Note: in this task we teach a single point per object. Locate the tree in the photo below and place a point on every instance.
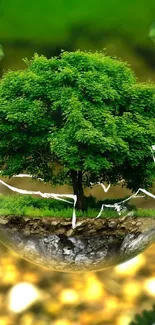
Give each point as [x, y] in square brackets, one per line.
[77, 118]
[147, 317]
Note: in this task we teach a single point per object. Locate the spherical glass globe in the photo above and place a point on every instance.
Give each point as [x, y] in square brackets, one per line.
[116, 234]
[82, 119]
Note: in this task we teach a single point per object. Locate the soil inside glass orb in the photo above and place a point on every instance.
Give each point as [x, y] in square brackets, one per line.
[93, 245]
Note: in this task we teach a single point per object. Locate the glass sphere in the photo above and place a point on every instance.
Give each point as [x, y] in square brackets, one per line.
[80, 244]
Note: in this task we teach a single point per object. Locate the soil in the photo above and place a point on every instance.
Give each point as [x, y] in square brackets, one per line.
[60, 226]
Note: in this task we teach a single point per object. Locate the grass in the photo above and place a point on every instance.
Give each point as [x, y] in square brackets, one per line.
[37, 207]
[145, 213]
[64, 213]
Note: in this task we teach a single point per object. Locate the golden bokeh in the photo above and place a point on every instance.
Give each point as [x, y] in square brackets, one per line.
[43, 297]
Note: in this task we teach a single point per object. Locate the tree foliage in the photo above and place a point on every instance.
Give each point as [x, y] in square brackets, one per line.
[77, 118]
[146, 318]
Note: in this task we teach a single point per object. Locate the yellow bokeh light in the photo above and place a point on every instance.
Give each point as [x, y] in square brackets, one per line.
[27, 319]
[52, 307]
[69, 296]
[132, 266]
[149, 286]
[30, 277]
[111, 303]
[10, 277]
[94, 289]
[62, 322]
[132, 289]
[9, 274]
[4, 320]
[123, 320]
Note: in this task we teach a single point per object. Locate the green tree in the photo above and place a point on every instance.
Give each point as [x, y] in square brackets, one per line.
[77, 118]
[146, 318]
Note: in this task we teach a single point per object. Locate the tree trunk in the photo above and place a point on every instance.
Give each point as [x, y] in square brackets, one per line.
[76, 177]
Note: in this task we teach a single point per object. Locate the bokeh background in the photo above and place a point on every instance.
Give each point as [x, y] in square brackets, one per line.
[30, 294]
[46, 27]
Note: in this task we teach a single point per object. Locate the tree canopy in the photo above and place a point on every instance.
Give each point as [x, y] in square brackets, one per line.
[78, 118]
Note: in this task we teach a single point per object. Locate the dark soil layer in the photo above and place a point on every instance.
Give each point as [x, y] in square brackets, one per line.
[88, 226]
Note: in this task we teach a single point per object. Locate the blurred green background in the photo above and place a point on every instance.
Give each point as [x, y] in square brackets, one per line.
[46, 27]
